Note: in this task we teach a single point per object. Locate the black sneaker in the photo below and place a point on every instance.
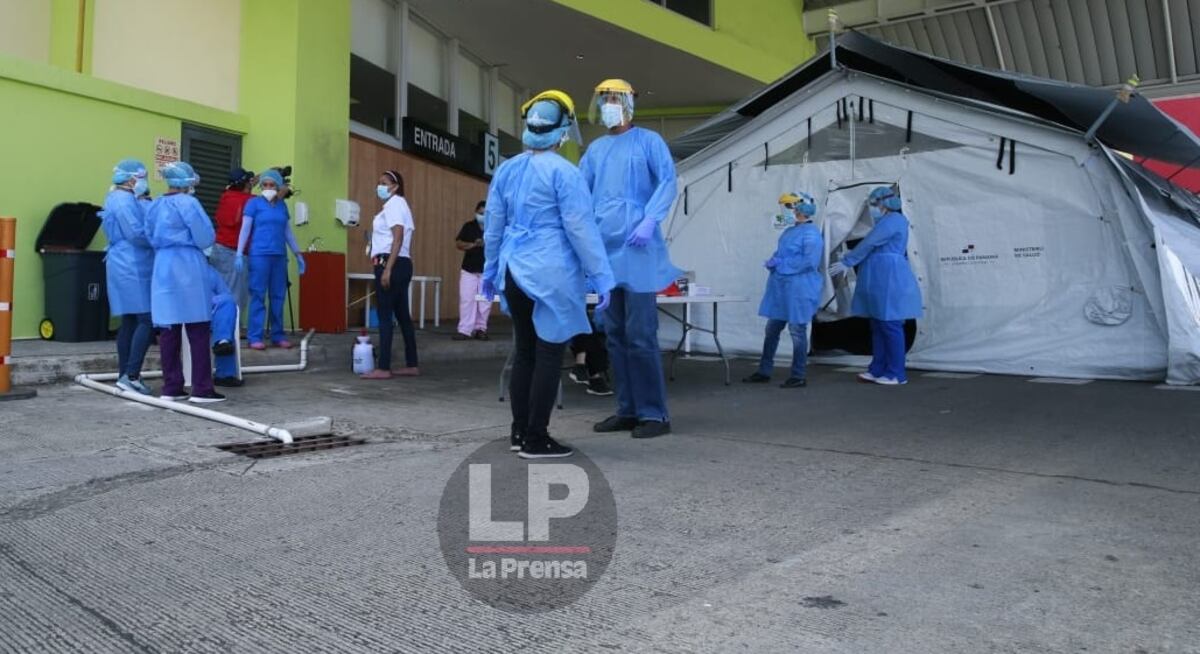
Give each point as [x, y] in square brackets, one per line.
[651, 429]
[459, 336]
[794, 382]
[208, 398]
[579, 374]
[480, 335]
[514, 442]
[756, 378]
[223, 348]
[544, 448]
[598, 385]
[615, 423]
[229, 382]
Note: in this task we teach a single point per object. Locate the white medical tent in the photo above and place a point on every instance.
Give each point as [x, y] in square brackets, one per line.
[1037, 250]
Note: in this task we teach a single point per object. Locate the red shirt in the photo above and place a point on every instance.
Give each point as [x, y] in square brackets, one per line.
[229, 217]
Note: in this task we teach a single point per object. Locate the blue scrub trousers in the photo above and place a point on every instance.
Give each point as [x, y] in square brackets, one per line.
[887, 349]
[631, 324]
[224, 328]
[799, 332]
[268, 280]
[133, 339]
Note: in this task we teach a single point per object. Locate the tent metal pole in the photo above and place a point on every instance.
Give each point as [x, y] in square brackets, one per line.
[991, 21]
[833, 39]
[1170, 42]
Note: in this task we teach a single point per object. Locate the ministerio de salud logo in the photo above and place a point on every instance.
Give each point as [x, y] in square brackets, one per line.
[526, 536]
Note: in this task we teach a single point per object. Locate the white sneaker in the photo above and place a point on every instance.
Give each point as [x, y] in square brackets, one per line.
[889, 381]
[124, 384]
[867, 377]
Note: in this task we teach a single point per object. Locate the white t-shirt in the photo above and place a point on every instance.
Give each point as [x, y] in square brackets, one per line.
[395, 212]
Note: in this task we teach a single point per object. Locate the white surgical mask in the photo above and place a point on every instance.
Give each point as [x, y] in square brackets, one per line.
[269, 194]
[876, 212]
[612, 115]
[479, 217]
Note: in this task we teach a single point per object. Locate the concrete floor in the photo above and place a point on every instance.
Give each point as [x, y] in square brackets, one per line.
[987, 514]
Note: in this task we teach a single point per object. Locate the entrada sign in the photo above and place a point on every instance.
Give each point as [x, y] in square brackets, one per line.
[449, 150]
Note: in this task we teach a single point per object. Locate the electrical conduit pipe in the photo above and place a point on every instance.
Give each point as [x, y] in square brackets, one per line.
[93, 382]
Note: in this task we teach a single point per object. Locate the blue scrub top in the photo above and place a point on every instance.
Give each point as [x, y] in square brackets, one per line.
[539, 227]
[887, 288]
[631, 175]
[129, 263]
[268, 235]
[794, 285]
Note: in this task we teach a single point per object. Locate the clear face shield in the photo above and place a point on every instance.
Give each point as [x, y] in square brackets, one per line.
[620, 105]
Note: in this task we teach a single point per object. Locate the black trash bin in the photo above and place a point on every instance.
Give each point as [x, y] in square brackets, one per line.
[76, 299]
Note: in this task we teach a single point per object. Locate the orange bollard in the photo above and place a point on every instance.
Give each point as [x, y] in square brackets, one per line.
[8, 246]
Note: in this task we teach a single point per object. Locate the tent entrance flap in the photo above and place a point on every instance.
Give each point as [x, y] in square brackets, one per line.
[845, 220]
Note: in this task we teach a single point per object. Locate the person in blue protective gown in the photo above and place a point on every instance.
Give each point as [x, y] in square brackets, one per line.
[180, 297]
[793, 289]
[887, 291]
[129, 266]
[224, 330]
[266, 235]
[632, 179]
[542, 249]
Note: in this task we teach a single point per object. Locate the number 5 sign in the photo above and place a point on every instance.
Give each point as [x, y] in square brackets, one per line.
[491, 154]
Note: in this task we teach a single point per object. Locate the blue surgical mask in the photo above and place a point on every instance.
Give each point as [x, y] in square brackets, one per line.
[876, 212]
[141, 187]
[383, 191]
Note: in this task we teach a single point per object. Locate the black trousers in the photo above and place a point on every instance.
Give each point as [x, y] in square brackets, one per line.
[394, 302]
[537, 367]
[594, 347]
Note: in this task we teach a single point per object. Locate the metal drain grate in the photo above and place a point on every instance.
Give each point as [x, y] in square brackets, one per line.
[302, 444]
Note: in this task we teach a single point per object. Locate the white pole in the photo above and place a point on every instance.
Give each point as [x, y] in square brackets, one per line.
[93, 382]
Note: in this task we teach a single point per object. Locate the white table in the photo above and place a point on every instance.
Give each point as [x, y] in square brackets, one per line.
[422, 279]
[685, 301]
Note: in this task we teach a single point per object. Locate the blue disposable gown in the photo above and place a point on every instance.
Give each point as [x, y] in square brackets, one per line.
[539, 227]
[179, 229]
[794, 285]
[631, 175]
[129, 263]
[887, 288]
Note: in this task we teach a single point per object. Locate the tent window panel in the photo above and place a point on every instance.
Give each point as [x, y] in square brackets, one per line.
[811, 139]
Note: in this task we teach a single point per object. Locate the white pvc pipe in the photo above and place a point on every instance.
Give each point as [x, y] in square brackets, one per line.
[278, 433]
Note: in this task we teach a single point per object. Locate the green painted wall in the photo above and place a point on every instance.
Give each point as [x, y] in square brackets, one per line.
[295, 90]
[762, 39]
[63, 132]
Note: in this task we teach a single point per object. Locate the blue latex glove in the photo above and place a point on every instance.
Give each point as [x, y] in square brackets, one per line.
[641, 235]
[300, 264]
[836, 268]
[770, 264]
[239, 263]
[604, 299]
[487, 289]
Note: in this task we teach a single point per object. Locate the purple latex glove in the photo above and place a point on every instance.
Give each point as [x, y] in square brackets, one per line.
[487, 289]
[770, 264]
[641, 235]
[603, 301]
